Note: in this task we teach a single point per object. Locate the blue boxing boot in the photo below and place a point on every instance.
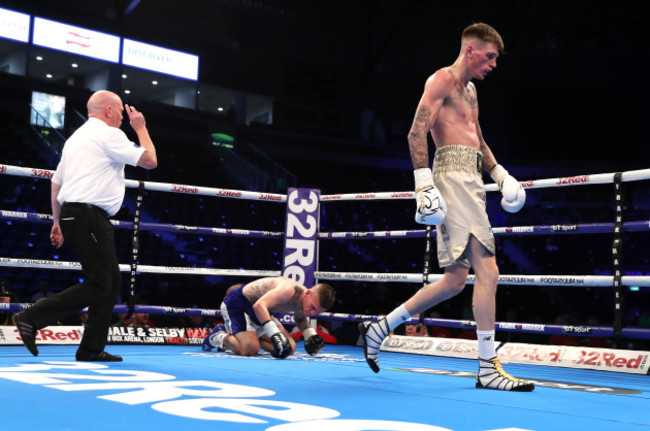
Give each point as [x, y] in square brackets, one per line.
[215, 339]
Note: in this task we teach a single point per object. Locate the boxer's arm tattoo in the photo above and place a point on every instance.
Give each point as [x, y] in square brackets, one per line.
[417, 138]
[301, 321]
[488, 158]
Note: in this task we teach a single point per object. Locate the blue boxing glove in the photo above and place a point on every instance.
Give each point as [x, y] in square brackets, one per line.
[313, 342]
[281, 345]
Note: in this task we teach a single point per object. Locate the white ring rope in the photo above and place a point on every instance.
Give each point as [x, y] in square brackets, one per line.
[393, 277]
[59, 264]
[158, 187]
[578, 180]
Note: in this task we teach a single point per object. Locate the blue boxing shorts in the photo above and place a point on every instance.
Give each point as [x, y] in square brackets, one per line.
[237, 313]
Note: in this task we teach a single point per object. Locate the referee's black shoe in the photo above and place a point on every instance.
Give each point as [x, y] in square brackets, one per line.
[96, 357]
[27, 332]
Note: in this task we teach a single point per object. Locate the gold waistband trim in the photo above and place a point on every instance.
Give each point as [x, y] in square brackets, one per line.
[454, 158]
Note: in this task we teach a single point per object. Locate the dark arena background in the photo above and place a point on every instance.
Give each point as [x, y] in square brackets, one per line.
[248, 101]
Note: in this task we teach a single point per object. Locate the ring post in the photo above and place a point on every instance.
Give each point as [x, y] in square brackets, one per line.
[617, 248]
[425, 271]
[301, 237]
[135, 247]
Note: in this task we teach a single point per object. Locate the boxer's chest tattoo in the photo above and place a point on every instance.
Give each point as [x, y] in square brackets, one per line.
[465, 95]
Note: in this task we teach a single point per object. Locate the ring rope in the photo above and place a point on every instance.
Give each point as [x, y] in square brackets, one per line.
[528, 328]
[158, 187]
[149, 269]
[161, 227]
[511, 280]
[557, 229]
[16, 307]
[578, 180]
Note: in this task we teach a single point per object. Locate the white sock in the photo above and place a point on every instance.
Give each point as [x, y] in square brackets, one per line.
[397, 317]
[486, 344]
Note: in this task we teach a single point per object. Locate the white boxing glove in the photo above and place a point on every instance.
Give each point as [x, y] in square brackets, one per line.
[514, 195]
[431, 207]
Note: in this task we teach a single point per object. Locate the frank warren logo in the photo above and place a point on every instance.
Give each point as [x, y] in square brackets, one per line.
[531, 327]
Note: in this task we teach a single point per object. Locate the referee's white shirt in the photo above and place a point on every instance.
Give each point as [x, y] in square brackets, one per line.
[91, 169]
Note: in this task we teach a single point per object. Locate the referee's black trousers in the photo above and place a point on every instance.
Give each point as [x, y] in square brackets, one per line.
[90, 235]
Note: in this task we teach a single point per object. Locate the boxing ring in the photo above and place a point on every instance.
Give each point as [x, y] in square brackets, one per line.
[165, 386]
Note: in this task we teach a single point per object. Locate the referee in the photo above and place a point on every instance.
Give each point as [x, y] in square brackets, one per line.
[88, 188]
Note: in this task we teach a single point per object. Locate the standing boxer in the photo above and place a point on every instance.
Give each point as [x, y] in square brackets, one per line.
[87, 188]
[448, 110]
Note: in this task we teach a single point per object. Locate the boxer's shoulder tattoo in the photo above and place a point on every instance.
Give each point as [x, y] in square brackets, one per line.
[257, 289]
